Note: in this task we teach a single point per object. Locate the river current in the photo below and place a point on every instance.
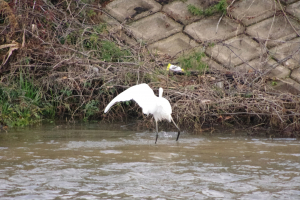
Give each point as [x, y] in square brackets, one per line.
[95, 162]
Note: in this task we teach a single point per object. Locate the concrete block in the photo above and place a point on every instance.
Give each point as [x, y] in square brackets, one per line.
[274, 31]
[287, 85]
[289, 48]
[294, 9]
[173, 45]
[263, 65]
[121, 35]
[280, 72]
[253, 11]
[212, 64]
[233, 50]
[178, 10]
[154, 27]
[115, 29]
[132, 9]
[296, 74]
[205, 29]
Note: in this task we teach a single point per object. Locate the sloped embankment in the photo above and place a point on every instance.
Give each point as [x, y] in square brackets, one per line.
[62, 60]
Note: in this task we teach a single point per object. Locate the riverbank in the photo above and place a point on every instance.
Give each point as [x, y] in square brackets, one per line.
[62, 61]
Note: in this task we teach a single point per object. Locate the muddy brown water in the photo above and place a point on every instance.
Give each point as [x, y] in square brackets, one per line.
[95, 162]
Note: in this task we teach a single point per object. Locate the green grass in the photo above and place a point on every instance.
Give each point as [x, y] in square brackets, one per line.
[90, 109]
[21, 103]
[106, 50]
[220, 7]
[111, 52]
[101, 49]
[274, 83]
[193, 62]
[16, 109]
[100, 28]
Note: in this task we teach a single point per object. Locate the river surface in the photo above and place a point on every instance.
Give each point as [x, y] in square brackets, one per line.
[95, 162]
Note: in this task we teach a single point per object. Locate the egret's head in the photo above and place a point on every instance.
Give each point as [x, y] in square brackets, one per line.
[160, 92]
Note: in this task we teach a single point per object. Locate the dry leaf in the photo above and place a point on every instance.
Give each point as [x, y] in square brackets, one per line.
[227, 117]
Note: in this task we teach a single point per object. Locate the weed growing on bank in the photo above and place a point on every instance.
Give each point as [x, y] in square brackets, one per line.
[21, 102]
[219, 7]
[193, 61]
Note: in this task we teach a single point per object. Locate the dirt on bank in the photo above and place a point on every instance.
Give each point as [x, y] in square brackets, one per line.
[59, 60]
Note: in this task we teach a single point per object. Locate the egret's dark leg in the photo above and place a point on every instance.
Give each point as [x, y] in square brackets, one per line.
[156, 132]
[178, 130]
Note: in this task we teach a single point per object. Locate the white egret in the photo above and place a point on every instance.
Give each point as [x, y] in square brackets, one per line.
[144, 96]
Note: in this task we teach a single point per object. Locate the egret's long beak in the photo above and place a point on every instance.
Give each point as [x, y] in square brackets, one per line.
[177, 128]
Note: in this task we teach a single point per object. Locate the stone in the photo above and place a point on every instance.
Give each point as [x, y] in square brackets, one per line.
[287, 85]
[296, 74]
[253, 11]
[132, 9]
[114, 28]
[241, 47]
[173, 45]
[178, 10]
[286, 49]
[280, 72]
[274, 30]
[212, 65]
[154, 27]
[263, 65]
[205, 29]
[294, 9]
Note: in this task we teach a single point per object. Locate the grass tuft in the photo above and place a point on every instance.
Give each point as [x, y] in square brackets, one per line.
[193, 62]
[220, 7]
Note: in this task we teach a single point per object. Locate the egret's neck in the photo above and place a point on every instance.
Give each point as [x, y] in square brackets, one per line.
[160, 92]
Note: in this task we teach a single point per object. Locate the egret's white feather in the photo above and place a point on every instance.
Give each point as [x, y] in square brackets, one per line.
[142, 94]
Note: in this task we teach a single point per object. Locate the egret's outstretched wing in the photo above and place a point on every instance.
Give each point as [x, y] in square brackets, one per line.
[142, 94]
